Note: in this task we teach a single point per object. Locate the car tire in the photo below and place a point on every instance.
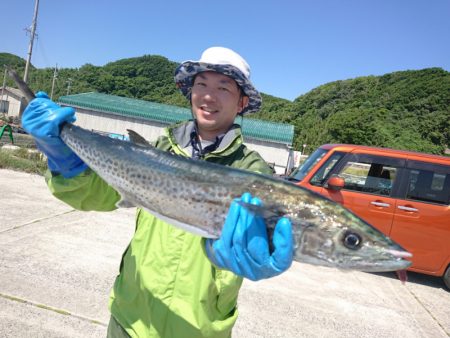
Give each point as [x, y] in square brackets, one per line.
[446, 277]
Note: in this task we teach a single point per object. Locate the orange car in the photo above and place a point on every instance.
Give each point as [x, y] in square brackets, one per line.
[404, 194]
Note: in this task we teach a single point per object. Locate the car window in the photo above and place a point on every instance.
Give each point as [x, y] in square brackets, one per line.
[305, 168]
[322, 174]
[428, 186]
[374, 176]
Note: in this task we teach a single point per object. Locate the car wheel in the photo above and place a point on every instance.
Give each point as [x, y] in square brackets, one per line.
[446, 277]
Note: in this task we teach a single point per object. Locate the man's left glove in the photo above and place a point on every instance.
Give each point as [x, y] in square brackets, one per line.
[43, 119]
[243, 246]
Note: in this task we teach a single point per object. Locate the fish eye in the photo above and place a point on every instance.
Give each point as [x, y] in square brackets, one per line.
[351, 240]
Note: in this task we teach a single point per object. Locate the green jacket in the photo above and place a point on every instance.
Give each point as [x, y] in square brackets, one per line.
[167, 287]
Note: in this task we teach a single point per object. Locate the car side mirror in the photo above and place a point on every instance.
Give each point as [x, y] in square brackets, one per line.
[335, 183]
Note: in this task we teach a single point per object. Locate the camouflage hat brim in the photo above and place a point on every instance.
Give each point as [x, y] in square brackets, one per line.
[185, 73]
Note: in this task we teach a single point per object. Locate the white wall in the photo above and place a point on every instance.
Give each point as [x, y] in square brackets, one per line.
[14, 102]
[118, 124]
[273, 153]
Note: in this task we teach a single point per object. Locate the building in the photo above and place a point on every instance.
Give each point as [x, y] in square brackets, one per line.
[114, 115]
[12, 102]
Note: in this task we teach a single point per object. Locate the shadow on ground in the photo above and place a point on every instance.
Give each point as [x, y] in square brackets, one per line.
[417, 278]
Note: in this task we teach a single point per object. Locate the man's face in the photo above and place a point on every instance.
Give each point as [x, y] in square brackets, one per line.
[216, 100]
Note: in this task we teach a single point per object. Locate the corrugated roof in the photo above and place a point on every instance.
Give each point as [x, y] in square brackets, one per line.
[163, 113]
[14, 91]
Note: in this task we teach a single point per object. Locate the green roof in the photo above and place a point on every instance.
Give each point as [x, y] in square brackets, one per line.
[164, 113]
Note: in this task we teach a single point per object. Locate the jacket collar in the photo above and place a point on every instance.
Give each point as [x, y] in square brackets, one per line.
[180, 137]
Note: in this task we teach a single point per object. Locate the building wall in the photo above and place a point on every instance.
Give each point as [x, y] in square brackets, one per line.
[15, 104]
[117, 124]
[273, 153]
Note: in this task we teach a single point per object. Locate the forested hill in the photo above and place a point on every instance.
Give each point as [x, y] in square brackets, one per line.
[403, 110]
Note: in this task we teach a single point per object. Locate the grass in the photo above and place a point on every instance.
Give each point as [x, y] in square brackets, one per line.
[22, 160]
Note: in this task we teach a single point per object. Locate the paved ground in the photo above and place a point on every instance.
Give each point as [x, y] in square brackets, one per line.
[57, 266]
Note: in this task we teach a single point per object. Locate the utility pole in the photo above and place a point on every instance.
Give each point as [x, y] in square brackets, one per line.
[30, 47]
[55, 75]
[2, 101]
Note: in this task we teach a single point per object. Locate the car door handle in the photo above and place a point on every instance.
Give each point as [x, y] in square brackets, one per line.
[381, 204]
[401, 207]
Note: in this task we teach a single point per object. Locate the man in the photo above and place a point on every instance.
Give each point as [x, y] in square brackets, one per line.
[173, 283]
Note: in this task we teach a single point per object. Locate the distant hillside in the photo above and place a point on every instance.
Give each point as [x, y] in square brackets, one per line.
[149, 77]
[404, 110]
[13, 61]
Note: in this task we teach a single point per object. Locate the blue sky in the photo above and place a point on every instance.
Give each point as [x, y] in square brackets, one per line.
[292, 46]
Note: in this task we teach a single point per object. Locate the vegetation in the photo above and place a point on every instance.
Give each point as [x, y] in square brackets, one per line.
[404, 110]
[23, 160]
[13, 61]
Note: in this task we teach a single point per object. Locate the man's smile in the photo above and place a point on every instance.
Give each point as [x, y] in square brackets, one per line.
[208, 110]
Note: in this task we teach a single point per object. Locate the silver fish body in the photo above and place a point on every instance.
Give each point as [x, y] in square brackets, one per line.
[196, 196]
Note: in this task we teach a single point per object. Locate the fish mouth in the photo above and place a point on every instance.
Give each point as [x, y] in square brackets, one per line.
[385, 266]
[394, 260]
[389, 259]
[399, 254]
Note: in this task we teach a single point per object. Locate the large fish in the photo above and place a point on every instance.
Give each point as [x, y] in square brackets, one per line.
[196, 195]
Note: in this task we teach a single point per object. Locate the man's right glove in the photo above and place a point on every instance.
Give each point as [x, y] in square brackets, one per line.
[243, 246]
[43, 119]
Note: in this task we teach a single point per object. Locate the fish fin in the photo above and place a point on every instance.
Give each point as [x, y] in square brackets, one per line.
[137, 139]
[124, 203]
[186, 227]
[270, 218]
[260, 210]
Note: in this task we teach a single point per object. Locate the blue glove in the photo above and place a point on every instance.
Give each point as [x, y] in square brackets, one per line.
[43, 119]
[243, 246]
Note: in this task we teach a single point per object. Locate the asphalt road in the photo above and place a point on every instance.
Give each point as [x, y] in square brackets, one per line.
[57, 266]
